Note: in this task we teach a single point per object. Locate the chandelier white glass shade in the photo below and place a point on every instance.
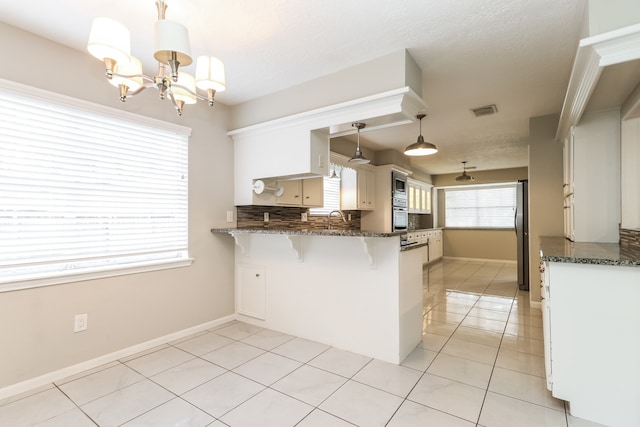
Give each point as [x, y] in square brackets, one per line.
[420, 147]
[110, 41]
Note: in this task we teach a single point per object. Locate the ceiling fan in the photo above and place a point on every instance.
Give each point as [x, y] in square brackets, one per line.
[465, 177]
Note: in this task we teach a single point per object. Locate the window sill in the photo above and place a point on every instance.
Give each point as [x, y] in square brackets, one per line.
[481, 228]
[98, 273]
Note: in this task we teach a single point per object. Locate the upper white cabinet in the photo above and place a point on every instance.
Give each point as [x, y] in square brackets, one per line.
[366, 190]
[419, 196]
[302, 192]
[630, 174]
[592, 178]
[357, 189]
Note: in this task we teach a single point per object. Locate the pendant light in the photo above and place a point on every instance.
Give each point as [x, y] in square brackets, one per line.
[358, 158]
[464, 177]
[420, 147]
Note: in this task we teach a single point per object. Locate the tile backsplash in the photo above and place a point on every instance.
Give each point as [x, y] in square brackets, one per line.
[291, 218]
[630, 239]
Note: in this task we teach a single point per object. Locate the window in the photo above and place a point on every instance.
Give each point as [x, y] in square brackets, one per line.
[480, 206]
[331, 194]
[87, 189]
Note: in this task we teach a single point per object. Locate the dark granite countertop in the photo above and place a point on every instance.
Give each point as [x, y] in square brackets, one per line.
[559, 249]
[310, 232]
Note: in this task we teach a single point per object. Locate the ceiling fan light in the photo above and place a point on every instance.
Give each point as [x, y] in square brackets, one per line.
[465, 177]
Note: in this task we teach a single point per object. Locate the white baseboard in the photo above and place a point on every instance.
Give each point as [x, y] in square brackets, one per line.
[503, 261]
[43, 380]
[535, 304]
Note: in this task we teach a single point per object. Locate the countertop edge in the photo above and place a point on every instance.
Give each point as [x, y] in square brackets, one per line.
[559, 249]
[330, 233]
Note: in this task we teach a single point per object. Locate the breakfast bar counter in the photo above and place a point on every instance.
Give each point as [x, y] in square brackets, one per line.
[357, 291]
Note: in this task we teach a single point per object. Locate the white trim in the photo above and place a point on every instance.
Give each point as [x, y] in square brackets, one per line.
[98, 273]
[43, 380]
[393, 106]
[595, 53]
[534, 304]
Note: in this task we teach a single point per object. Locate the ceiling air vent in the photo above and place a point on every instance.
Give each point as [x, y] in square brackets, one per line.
[485, 110]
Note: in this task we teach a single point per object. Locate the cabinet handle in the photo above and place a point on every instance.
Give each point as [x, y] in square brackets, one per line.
[257, 274]
[296, 196]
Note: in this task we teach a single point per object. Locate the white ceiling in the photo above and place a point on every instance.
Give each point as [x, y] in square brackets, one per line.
[516, 54]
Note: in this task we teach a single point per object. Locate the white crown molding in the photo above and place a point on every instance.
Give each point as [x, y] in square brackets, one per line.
[593, 55]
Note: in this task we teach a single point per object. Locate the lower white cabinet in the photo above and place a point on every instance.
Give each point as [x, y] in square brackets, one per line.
[591, 326]
[435, 245]
[251, 291]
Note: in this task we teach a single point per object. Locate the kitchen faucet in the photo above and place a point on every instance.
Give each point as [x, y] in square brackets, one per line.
[329, 218]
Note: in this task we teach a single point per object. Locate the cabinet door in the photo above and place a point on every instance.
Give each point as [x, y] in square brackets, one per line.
[412, 198]
[371, 190]
[313, 192]
[292, 193]
[251, 291]
[366, 190]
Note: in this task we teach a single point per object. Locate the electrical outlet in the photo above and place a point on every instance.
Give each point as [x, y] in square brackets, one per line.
[348, 217]
[266, 217]
[303, 217]
[229, 216]
[80, 322]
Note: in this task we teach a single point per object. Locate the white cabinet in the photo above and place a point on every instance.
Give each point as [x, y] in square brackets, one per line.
[302, 192]
[419, 196]
[251, 291]
[435, 245]
[592, 178]
[357, 189]
[630, 172]
[591, 326]
[366, 190]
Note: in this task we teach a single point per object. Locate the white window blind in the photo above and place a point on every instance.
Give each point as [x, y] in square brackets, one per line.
[86, 188]
[331, 197]
[480, 206]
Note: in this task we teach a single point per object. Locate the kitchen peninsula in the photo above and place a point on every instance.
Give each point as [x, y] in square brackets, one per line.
[354, 290]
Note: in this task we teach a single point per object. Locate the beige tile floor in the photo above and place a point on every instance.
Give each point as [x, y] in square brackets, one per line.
[480, 363]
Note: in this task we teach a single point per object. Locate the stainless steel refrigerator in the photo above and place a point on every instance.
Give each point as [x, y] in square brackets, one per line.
[522, 233]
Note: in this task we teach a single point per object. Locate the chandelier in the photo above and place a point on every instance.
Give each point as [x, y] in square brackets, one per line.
[109, 41]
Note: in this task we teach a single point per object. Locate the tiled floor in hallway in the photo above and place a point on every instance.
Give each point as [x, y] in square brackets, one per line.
[480, 363]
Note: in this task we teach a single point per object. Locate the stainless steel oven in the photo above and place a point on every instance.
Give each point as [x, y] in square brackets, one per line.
[400, 219]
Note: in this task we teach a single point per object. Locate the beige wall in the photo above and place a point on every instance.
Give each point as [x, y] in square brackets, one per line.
[36, 324]
[482, 244]
[546, 217]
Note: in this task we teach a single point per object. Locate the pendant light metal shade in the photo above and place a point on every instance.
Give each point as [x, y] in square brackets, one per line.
[464, 177]
[420, 147]
[358, 158]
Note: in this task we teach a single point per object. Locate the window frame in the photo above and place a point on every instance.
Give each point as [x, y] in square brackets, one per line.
[59, 277]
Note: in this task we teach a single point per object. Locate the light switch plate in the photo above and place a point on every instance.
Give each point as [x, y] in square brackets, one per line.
[303, 217]
[229, 216]
[266, 217]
